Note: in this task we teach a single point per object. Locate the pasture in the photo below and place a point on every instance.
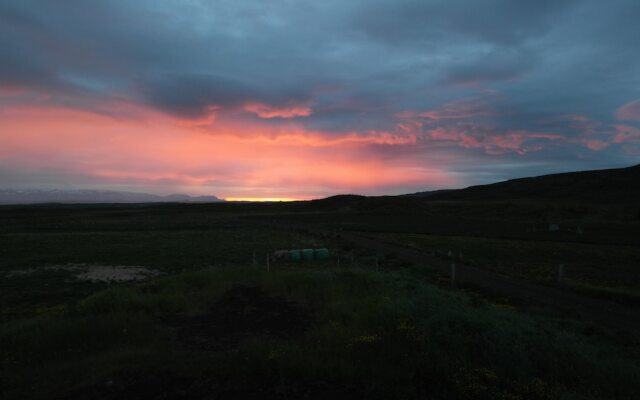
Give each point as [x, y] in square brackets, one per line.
[208, 320]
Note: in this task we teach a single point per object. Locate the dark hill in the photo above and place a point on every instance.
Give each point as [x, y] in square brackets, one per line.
[619, 185]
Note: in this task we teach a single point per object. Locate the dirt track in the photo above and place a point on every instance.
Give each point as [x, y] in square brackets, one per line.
[604, 313]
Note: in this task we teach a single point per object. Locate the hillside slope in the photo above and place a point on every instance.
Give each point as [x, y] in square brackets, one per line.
[619, 185]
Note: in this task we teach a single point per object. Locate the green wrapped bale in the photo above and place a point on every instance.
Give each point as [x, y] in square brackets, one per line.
[294, 255]
[321, 254]
[307, 254]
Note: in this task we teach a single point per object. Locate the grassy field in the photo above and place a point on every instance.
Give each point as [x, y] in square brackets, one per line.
[608, 271]
[168, 251]
[312, 331]
[215, 324]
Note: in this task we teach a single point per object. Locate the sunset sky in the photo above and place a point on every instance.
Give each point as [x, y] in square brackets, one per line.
[295, 99]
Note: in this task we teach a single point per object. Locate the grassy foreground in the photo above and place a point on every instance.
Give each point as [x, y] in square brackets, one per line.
[235, 332]
[597, 270]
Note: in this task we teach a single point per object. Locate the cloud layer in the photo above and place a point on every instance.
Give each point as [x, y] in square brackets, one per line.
[305, 98]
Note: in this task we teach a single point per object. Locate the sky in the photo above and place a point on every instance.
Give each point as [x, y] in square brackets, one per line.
[297, 99]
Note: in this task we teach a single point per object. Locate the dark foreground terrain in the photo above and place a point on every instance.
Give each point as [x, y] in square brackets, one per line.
[176, 301]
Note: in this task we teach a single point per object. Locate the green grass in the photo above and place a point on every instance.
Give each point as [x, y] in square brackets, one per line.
[371, 334]
[623, 295]
[167, 249]
[595, 268]
[373, 331]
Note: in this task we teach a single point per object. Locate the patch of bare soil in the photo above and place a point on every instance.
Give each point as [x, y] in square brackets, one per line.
[93, 273]
[241, 313]
[116, 273]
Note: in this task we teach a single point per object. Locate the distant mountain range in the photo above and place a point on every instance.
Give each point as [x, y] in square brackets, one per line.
[618, 185]
[36, 196]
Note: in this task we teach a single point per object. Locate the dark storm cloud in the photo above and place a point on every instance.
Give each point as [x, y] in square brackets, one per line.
[356, 64]
[493, 66]
[22, 61]
[502, 22]
[190, 95]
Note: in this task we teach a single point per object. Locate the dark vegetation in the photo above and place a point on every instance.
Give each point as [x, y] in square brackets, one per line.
[619, 185]
[364, 324]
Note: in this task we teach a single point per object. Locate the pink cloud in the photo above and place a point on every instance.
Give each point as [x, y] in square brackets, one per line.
[596, 145]
[580, 123]
[317, 139]
[626, 134]
[453, 113]
[591, 133]
[268, 111]
[10, 90]
[208, 118]
[470, 107]
[518, 141]
[490, 140]
[478, 134]
[629, 111]
[161, 153]
[459, 109]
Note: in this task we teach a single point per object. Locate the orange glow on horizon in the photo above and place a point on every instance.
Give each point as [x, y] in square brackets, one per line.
[145, 150]
[263, 199]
